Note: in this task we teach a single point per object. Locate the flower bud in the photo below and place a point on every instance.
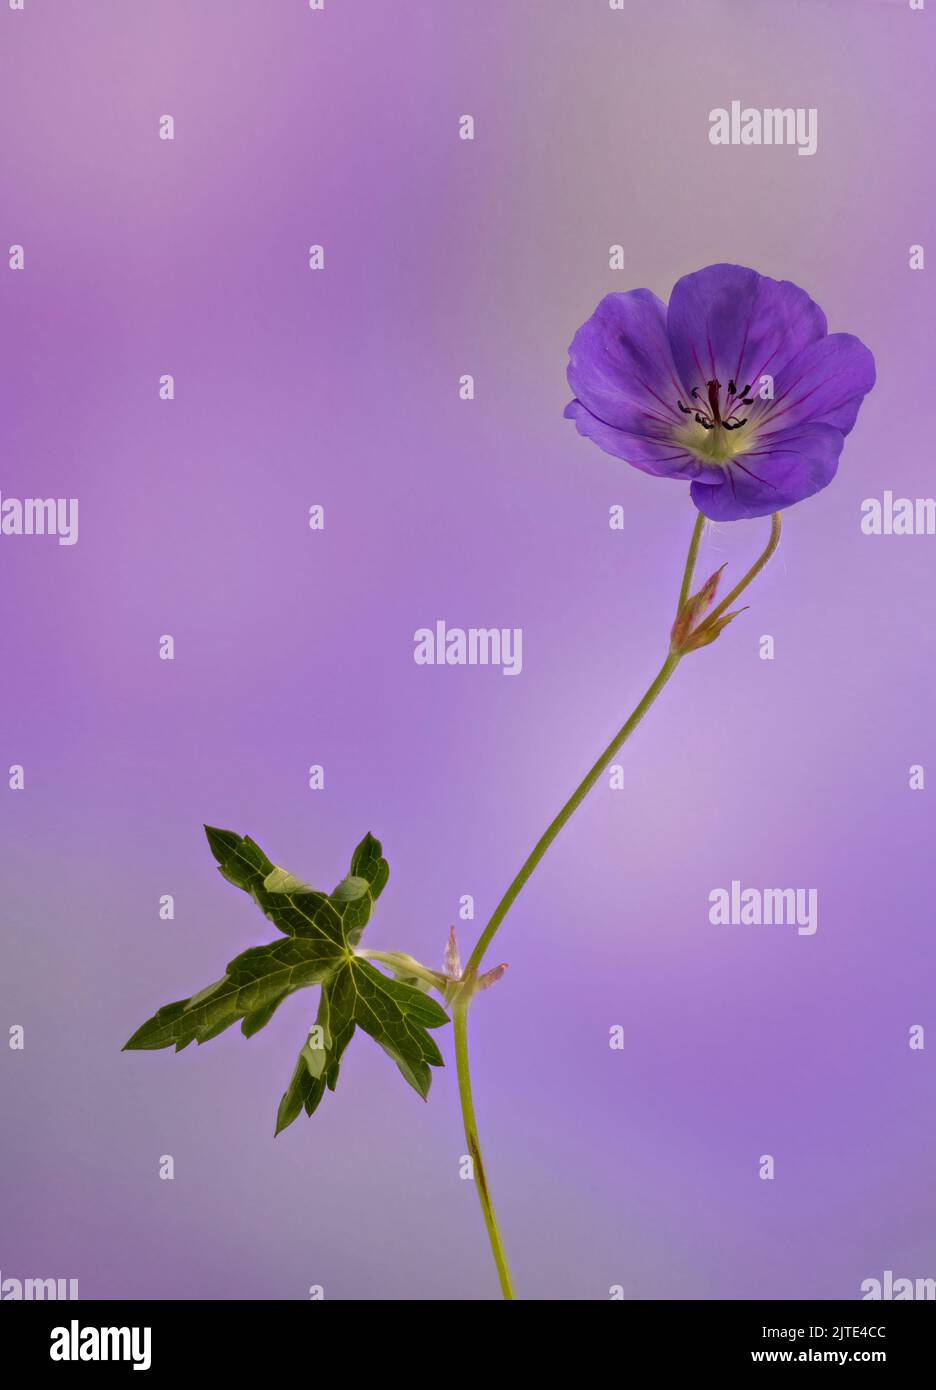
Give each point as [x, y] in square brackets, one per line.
[693, 609]
[707, 635]
[491, 977]
[451, 963]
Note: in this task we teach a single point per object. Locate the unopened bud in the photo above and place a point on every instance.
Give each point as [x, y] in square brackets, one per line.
[707, 635]
[693, 609]
[492, 977]
[451, 963]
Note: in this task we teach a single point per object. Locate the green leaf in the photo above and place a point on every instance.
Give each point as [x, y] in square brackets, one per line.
[240, 860]
[252, 1023]
[395, 1015]
[293, 907]
[280, 881]
[256, 982]
[318, 1063]
[320, 933]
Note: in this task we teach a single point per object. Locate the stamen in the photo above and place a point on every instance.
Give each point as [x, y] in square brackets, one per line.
[734, 395]
[712, 418]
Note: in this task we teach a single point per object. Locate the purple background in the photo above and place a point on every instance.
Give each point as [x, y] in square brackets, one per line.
[635, 1167]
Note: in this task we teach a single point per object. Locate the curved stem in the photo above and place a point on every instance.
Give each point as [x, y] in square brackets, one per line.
[752, 574]
[568, 810]
[460, 1022]
[460, 1008]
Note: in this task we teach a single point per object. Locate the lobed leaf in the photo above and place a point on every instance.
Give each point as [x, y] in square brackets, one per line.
[255, 984]
[316, 1067]
[396, 1015]
[320, 933]
[291, 905]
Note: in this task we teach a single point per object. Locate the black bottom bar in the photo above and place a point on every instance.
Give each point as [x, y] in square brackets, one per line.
[162, 1339]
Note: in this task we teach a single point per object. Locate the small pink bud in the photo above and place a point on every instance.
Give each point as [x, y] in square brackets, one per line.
[492, 976]
[706, 595]
[451, 963]
[693, 609]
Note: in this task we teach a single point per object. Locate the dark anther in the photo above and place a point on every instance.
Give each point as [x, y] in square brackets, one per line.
[709, 415]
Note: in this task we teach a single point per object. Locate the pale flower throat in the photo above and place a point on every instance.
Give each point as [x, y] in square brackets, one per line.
[719, 430]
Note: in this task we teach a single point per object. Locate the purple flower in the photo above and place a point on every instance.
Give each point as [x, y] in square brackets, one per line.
[736, 386]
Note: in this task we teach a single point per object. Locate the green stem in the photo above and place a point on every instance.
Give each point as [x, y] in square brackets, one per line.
[752, 574]
[401, 963]
[463, 999]
[460, 1022]
[568, 810]
[690, 560]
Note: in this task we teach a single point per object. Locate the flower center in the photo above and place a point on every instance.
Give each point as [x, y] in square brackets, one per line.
[717, 416]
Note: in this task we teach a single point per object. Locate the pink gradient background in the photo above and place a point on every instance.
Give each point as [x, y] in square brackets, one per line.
[636, 1167]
